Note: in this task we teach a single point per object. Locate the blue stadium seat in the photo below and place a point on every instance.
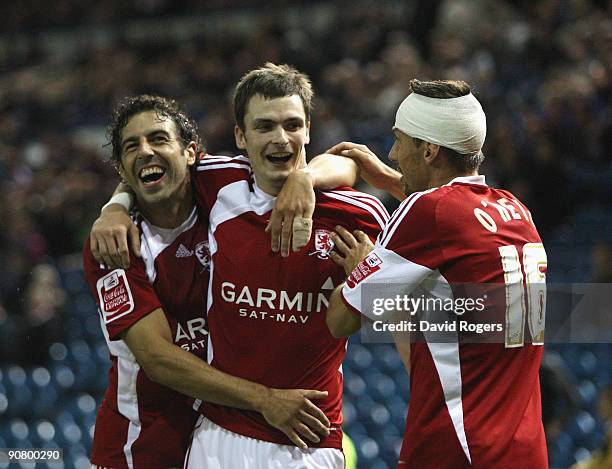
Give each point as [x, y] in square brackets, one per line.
[355, 386]
[42, 432]
[380, 415]
[380, 386]
[388, 360]
[63, 377]
[4, 403]
[69, 434]
[369, 450]
[20, 432]
[360, 357]
[588, 393]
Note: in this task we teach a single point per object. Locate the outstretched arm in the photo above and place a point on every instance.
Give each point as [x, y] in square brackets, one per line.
[290, 410]
[372, 169]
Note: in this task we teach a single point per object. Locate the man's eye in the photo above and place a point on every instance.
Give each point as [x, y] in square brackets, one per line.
[293, 126]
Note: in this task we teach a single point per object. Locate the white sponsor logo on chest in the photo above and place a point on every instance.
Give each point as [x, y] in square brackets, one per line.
[278, 306]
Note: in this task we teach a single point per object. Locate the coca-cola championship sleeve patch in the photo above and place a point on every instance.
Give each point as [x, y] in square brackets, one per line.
[381, 276]
[114, 295]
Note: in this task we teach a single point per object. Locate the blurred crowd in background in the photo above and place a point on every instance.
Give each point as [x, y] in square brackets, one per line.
[541, 69]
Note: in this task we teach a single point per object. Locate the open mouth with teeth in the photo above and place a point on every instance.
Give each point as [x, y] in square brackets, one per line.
[151, 175]
[279, 158]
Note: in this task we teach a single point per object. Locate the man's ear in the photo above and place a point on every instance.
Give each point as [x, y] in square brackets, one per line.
[191, 153]
[121, 170]
[239, 137]
[432, 152]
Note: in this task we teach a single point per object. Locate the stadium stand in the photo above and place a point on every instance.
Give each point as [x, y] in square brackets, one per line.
[541, 69]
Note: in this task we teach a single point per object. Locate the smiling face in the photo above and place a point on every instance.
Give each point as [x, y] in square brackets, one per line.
[275, 132]
[410, 160]
[154, 161]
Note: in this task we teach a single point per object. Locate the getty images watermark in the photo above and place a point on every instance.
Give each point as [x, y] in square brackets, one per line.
[513, 315]
[411, 305]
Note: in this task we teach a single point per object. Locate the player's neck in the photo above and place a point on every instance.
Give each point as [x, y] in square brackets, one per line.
[274, 186]
[441, 178]
[171, 212]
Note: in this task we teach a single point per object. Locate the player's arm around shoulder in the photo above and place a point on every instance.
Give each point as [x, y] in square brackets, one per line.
[290, 410]
[371, 168]
[113, 233]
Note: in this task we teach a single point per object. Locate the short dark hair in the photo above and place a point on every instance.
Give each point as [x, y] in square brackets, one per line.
[272, 81]
[446, 89]
[164, 107]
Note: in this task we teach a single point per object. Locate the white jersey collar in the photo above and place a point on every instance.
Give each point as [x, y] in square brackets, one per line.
[261, 201]
[479, 179]
[170, 234]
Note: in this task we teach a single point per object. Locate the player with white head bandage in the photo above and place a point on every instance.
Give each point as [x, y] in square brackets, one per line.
[474, 403]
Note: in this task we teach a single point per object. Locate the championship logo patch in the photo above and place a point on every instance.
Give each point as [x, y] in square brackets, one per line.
[203, 254]
[323, 244]
[115, 295]
[364, 269]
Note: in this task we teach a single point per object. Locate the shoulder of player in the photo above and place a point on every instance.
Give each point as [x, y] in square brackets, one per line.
[356, 201]
[417, 213]
[212, 162]
[432, 200]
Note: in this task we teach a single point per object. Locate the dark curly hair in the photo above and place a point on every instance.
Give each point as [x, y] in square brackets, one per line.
[164, 107]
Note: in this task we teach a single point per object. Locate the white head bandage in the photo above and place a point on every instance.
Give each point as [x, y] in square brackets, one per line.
[456, 123]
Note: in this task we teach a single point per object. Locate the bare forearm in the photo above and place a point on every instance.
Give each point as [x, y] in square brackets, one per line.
[189, 375]
[390, 181]
[340, 321]
[330, 171]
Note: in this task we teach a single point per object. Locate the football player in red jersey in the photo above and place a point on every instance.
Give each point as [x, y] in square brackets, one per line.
[153, 313]
[472, 405]
[266, 312]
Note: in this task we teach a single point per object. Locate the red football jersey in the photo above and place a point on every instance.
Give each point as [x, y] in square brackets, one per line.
[266, 313]
[472, 405]
[140, 423]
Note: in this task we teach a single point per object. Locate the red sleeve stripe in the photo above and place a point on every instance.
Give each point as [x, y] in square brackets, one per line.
[399, 215]
[359, 203]
[375, 202]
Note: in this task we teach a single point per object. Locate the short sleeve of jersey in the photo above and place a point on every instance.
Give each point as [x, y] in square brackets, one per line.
[123, 296]
[359, 210]
[406, 252]
[211, 173]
